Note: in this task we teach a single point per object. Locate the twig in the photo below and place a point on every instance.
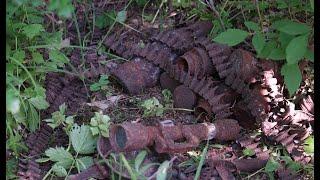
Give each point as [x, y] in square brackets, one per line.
[213, 8]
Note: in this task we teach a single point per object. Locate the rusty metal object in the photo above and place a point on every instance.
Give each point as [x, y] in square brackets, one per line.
[203, 109]
[29, 169]
[307, 104]
[196, 62]
[184, 97]
[167, 82]
[137, 75]
[134, 136]
[96, 171]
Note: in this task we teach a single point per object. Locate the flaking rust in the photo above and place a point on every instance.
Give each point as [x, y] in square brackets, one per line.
[167, 137]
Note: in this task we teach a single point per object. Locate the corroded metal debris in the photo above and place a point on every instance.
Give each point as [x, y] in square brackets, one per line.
[165, 137]
[137, 75]
[167, 82]
[184, 97]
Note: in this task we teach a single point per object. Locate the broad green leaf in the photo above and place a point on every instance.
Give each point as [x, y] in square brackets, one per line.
[309, 145]
[58, 170]
[19, 55]
[139, 159]
[272, 165]
[82, 139]
[281, 4]
[296, 49]
[284, 39]
[121, 16]
[84, 162]
[127, 166]
[37, 57]
[258, 42]
[203, 157]
[294, 28]
[309, 55]
[231, 37]
[252, 25]
[95, 87]
[248, 152]
[269, 46]
[57, 57]
[163, 170]
[42, 160]
[280, 23]
[94, 130]
[292, 77]
[277, 54]
[33, 118]
[32, 30]
[101, 21]
[39, 102]
[63, 7]
[60, 156]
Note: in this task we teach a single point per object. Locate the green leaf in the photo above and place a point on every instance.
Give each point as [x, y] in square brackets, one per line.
[63, 7]
[312, 4]
[37, 57]
[284, 39]
[296, 49]
[277, 54]
[32, 30]
[42, 160]
[281, 4]
[269, 46]
[231, 37]
[203, 155]
[248, 152]
[94, 130]
[163, 170]
[252, 25]
[33, 118]
[309, 55]
[39, 102]
[294, 28]
[121, 16]
[272, 165]
[83, 163]
[309, 145]
[292, 77]
[19, 55]
[60, 156]
[101, 21]
[139, 159]
[60, 171]
[95, 87]
[280, 23]
[128, 167]
[58, 57]
[82, 140]
[258, 42]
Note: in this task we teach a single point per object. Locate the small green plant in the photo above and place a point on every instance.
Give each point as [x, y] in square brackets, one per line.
[309, 145]
[152, 107]
[102, 84]
[59, 118]
[248, 152]
[100, 124]
[82, 142]
[167, 97]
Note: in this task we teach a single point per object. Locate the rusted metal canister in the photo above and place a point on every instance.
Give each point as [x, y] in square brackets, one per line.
[134, 136]
[203, 109]
[136, 75]
[131, 136]
[184, 97]
[167, 82]
[244, 65]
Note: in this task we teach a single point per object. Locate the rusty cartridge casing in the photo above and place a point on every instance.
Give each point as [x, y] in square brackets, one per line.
[134, 136]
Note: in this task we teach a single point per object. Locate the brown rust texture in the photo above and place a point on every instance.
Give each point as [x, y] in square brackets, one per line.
[166, 137]
[184, 97]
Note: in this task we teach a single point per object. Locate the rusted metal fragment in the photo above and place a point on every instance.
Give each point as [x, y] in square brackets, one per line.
[250, 165]
[203, 109]
[137, 75]
[225, 173]
[227, 129]
[184, 97]
[165, 137]
[167, 82]
[95, 171]
[29, 169]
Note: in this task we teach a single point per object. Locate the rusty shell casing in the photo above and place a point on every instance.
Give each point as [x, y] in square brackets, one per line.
[202, 109]
[226, 129]
[201, 131]
[167, 82]
[184, 97]
[136, 75]
[131, 136]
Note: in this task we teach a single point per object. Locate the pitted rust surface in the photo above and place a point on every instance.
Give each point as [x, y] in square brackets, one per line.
[167, 82]
[184, 97]
[166, 136]
[203, 109]
[136, 75]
